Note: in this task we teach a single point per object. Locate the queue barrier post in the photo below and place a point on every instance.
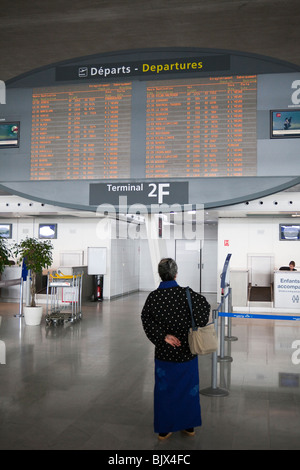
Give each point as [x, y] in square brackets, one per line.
[214, 390]
[20, 314]
[15, 282]
[222, 357]
[229, 336]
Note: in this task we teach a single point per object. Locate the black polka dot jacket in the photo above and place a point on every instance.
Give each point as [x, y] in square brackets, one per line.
[166, 311]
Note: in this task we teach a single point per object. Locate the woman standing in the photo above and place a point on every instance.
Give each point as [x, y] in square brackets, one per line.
[166, 321]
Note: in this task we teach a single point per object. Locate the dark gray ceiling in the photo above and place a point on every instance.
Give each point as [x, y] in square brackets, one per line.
[35, 34]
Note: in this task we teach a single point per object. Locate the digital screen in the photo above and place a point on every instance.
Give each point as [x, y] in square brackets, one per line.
[5, 230]
[204, 127]
[48, 231]
[187, 128]
[9, 134]
[81, 132]
[285, 124]
[289, 232]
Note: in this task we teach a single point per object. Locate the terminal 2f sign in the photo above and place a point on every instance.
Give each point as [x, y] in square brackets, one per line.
[142, 192]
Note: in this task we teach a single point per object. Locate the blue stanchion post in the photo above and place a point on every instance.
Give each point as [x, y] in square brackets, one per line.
[214, 390]
[229, 336]
[222, 357]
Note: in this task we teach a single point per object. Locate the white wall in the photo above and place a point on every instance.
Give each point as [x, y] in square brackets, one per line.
[147, 281]
[254, 236]
[129, 265]
[73, 235]
[125, 265]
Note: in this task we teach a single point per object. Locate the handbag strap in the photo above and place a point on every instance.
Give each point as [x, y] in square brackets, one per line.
[188, 294]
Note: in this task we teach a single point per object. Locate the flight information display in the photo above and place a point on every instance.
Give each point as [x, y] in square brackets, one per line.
[81, 131]
[200, 127]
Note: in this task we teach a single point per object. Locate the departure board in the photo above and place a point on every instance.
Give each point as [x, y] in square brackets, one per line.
[155, 127]
[187, 128]
[81, 132]
[201, 127]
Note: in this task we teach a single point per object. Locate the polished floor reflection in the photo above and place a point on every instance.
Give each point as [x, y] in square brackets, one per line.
[89, 385]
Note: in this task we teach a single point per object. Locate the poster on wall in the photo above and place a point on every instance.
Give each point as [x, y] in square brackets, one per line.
[287, 290]
[96, 260]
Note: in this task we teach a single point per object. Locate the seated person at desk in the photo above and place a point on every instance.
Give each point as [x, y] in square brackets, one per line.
[290, 267]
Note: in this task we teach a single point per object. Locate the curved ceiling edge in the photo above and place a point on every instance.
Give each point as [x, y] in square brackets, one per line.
[255, 195]
[202, 191]
[290, 67]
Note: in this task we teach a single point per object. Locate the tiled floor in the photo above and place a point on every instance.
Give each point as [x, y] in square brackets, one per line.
[90, 385]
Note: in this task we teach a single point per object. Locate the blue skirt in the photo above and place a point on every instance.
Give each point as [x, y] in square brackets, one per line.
[176, 396]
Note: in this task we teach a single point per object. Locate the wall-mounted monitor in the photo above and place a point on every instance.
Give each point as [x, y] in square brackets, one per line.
[290, 232]
[9, 134]
[48, 231]
[285, 123]
[6, 230]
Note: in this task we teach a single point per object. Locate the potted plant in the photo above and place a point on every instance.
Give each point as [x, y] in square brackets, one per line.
[5, 254]
[37, 254]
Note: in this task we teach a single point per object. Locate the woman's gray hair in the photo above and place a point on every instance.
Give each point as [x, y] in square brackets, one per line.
[167, 269]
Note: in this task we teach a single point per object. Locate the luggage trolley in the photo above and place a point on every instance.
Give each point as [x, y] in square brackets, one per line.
[64, 294]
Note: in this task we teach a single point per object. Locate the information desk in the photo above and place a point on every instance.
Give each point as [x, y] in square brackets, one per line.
[287, 289]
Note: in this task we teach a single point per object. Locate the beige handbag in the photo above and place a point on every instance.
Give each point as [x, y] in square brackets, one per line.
[202, 340]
